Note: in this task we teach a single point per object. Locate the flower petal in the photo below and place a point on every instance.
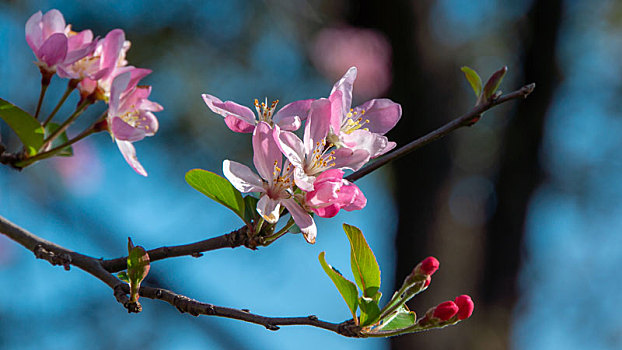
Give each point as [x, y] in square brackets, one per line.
[382, 114]
[269, 208]
[53, 50]
[52, 22]
[229, 108]
[34, 35]
[318, 125]
[345, 86]
[374, 144]
[286, 116]
[111, 47]
[124, 131]
[302, 219]
[266, 153]
[129, 153]
[346, 158]
[242, 177]
[118, 86]
[238, 125]
[291, 146]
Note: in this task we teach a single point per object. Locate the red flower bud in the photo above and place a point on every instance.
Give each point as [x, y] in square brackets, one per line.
[428, 279]
[465, 306]
[445, 310]
[428, 266]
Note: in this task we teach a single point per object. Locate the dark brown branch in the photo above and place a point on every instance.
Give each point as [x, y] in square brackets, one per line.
[466, 119]
[58, 255]
[233, 239]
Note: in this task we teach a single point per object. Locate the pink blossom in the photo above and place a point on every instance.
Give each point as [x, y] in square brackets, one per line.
[54, 43]
[332, 193]
[242, 119]
[130, 117]
[111, 52]
[274, 182]
[362, 127]
[314, 155]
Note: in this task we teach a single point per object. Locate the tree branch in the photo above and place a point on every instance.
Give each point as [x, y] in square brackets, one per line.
[58, 255]
[233, 239]
[466, 119]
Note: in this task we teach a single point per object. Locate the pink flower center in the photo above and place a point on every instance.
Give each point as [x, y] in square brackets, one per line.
[353, 121]
[321, 158]
[265, 112]
[281, 182]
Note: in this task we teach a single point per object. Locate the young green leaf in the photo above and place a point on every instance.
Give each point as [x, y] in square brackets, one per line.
[474, 80]
[61, 139]
[250, 208]
[24, 125]
[363, 262]
[370, 311]
[494, 81]
[137, 267]
[123, 277]
[346, 288]
[399, 319]
[218, 189]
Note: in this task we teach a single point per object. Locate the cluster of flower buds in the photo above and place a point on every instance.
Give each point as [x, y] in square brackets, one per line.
[448, 313]
[310, 180]
[98, 68]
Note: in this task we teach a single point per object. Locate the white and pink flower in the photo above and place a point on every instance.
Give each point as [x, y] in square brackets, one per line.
[362, 127]
[275, 182]
[54, 43]
[130, 117]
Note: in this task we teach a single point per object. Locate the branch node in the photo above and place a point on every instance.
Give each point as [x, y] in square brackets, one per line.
[312, 317]
[133, 307]
[349, 329]
[53, 258]
[246, 310]
[272, 327]
[197, 255]
[158, 293]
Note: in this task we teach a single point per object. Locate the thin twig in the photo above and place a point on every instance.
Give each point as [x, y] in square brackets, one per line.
[70, 87]
[230, 240]
[466, 119]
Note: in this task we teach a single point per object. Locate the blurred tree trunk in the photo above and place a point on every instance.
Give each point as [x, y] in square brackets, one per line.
[482, 259]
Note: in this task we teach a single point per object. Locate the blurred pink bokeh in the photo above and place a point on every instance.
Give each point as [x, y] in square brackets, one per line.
[82, 173]
[334, 50]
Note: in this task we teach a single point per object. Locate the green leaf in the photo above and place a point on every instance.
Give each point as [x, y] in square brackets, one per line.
[346, 288]
[137, 267]
[62, 138]
[474, 79]
[400, 319]
[369, 310]
[24, 125]
[250, 210]
[363, 262]
[123, 276]
[494, 81]
[218, 189]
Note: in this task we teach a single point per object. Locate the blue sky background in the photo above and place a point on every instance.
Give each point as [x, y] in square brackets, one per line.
[241, 50]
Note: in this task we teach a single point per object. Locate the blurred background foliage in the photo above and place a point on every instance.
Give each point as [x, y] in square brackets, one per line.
[523, 210]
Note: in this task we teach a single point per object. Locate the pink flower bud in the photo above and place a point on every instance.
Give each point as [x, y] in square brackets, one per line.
[428, 266]
[446, 310]
[465, 306]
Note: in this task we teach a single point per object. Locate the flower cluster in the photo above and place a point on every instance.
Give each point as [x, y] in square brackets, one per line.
[305, 175]
[98, 68]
